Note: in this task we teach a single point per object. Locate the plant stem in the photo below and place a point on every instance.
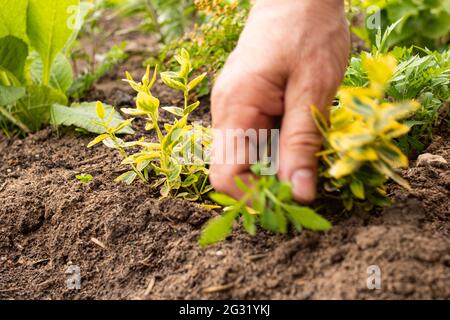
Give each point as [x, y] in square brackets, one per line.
[272, 197]
[186, 99]
[196, 190]
[154, 16]
[125, 155]
[15, 121]
[158, 130]
[204, 183]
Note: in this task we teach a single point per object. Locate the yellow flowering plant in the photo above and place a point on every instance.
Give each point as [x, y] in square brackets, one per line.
[360, 154]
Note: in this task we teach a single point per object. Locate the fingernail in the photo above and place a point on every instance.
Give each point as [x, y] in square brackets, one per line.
[304, 185]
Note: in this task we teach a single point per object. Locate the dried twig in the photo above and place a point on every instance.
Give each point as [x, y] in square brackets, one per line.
[94, 159]
[39, 261]
[150, 286]
[221, 288]
[10, 289]
[3, 186]
[99, 243]
[258, 256]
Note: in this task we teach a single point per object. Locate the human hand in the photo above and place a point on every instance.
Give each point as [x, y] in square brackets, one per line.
[291, 55]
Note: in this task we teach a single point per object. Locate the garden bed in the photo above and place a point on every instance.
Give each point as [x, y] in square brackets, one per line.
[131, 245]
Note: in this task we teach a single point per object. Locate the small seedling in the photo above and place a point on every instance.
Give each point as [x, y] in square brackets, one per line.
[84, 178]
[268, 203]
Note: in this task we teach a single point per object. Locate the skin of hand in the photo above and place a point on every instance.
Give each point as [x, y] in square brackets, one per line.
[292, 54]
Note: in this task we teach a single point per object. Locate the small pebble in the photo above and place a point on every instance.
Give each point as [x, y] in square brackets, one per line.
[430, 159]
[219, 253]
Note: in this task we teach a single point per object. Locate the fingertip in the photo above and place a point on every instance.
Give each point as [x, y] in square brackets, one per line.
[304, 185]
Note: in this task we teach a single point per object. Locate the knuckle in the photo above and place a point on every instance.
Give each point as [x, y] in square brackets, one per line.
[302, 141]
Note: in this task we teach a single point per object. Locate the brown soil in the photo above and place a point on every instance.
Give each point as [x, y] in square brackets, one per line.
[130, 245]
[48, 220]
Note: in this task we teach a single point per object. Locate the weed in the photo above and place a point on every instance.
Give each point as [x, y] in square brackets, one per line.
[272, 207]
[84, 178]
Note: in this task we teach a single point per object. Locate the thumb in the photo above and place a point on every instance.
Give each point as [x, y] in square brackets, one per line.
[300, 139]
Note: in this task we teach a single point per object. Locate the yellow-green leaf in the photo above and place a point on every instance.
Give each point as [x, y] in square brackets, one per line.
[146, 102]
[172, 83]
[392, 155]
[195, 82]
[100, 110]
[344, 167]
[97, 140]
[380, 69]
[174, 110]
[357, 188]
[191, 108]
[127, 178]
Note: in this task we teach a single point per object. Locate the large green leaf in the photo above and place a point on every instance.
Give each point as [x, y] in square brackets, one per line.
[13, 18]
[13, 54]
[9, 95]
[61, 76]
[34, 109]
[49, 29]
[83, 116]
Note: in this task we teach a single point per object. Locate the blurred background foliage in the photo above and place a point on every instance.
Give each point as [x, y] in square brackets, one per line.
[417, 32]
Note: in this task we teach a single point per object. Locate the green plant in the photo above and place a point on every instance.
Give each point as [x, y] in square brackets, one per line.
[37, 30]
[83, 83]
[84, 178]
[272, 208]
[35, 71]
[421, 74]
[168, 18]
[178, 156]
[424, 22]
[213, 38]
